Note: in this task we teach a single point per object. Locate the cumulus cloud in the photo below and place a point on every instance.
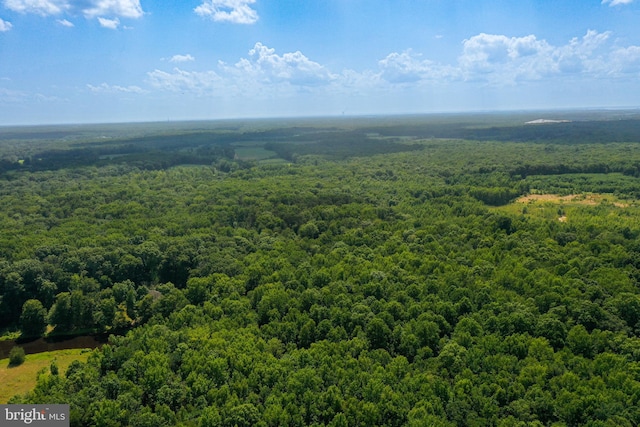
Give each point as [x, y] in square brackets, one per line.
[505, 58]
[234, 11]
[4, 26]
[122, 8]
[403, 67]
[38, 7]
[616, 2]
[65, 23]
[105, 88]
[88, 8]
[625, 60]
[182, 58]
[491, 59]
[111, 24]
[409, 67]
[260, 73]
[588, 54]
[294, 68]
[502, 59]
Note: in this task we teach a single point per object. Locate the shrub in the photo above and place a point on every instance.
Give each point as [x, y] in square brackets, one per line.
[16, 356]
[53, 368]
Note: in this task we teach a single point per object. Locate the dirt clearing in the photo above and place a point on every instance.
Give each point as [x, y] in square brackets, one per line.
[580, 199]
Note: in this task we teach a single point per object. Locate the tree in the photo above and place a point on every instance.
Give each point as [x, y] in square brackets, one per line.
[309, 230]
[378, 333]
[244, 415]
[107, 413]
[33, 320]
[60, 314]
[53, 368]
[16, 356]
[13, 291]
[552, 329]
[579, 341]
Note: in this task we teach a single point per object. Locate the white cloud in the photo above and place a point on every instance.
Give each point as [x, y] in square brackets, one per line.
[13, 96]
[234, 11]
[18, 97]
[585, 55]
[490, 59]
[200, 83]
[405, 67]
[262, 73]
[264, 65]
[408, 67]
[616, 2]
[625, 60]
[505, 58]
[350, 80]
[38, 7]
[4, 26]
[65, 23]
[111, 24]
[122, 8]
[182, 58]
[501, 59]
[89, 8]
[105, 88]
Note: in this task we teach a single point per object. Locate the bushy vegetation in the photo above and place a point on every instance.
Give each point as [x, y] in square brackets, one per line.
[395, 287]
[16, 356]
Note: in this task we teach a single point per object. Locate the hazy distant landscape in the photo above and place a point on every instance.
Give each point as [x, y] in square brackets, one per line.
[165, 144]
[451, 270]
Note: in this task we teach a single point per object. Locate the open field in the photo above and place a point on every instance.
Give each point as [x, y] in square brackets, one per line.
[574, 208]
[20, 379]
[578, 199]
[252, 150]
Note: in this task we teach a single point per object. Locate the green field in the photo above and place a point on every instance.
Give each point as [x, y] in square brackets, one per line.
[253, 150]
[21, 379]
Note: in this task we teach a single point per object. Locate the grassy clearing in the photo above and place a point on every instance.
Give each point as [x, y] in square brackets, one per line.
[576, 208]
[254, 153]
[21, 379]
[251, 150]
[589, 199]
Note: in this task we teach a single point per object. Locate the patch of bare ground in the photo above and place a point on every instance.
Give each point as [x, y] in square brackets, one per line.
[587, 199]
[581, 199]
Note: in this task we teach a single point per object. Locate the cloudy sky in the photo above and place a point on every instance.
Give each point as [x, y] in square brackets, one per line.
[72, 61]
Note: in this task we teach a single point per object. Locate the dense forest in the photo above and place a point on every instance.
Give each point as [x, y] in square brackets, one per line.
[447, 271]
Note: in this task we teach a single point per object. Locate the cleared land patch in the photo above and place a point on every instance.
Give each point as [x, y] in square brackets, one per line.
[573, 207]
[590, 199]
[252, 150]
[21, 379]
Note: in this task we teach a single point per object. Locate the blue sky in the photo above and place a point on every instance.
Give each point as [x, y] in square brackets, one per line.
[78, 61]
